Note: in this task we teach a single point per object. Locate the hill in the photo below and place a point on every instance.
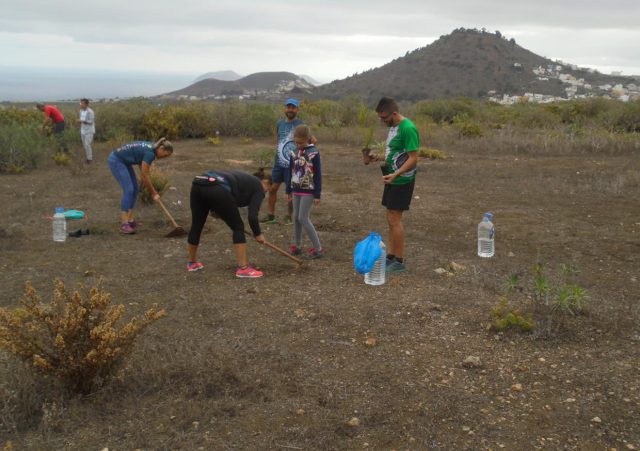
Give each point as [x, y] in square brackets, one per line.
[227, 75]
[261, 85]
[467, 63]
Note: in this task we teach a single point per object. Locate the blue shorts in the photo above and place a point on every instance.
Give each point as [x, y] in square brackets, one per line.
[280, 174]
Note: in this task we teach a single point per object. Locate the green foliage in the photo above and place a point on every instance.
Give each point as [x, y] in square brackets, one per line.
[511, 283]
[432, 154]
[467, 128]
[61, 158]
[21, 117]
[22, 146]
[367, 124]
[446, 111]
[260, 120]
[504, 317]
[547, 300]
[162, 121]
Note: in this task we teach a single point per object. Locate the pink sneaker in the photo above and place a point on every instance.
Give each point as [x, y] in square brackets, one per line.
[248, 271]
[194, 266]
[127, 229]
[295, 250]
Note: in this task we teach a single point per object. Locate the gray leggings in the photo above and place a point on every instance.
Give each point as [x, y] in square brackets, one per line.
[301, 210]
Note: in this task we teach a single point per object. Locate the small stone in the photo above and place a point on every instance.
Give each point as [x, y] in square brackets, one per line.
[353, 422]
[511, 254]
[252, 290]
[516, 387]
[596, 420]
[173, 188]
[456, 267]
[440, 271]
[472, 361]
[630, 446]
[542, 359]
[300, 412]
[466, 428]
[570, 400]
[371, 342]
[196, 425]
[88, 273]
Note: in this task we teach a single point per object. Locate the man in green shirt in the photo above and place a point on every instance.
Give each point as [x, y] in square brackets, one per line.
[399, 173]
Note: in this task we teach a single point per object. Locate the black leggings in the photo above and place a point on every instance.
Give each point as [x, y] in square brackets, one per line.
[217, 199]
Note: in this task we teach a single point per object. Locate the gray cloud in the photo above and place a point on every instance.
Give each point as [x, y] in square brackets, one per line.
[328, 39]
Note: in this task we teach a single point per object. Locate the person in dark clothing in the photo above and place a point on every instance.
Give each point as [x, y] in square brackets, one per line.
[221, 193]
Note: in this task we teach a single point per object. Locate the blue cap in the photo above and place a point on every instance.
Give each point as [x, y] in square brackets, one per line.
[293, 102]
[489, 215]
[59, 210]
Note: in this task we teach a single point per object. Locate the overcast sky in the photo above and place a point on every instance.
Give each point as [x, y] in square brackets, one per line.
[326, 39]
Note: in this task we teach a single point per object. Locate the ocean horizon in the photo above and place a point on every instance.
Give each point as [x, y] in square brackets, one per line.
[33, 85]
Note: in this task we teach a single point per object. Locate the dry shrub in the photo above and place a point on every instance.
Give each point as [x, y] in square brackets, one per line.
[74, 337]
[160, 182]
[431, 153]
[61, 158]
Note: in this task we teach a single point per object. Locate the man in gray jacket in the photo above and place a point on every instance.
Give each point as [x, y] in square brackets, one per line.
[87, 128]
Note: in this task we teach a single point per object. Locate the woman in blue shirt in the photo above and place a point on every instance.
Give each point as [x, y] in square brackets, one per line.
[121, 162]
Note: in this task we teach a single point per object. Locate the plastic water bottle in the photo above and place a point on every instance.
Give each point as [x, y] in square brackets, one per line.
[59, 225]
[486, 234]
[378, 273]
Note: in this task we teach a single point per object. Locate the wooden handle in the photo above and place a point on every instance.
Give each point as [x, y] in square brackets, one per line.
[166, 212]
[279, 250]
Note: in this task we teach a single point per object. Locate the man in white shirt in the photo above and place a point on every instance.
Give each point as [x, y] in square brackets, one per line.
[87, 128]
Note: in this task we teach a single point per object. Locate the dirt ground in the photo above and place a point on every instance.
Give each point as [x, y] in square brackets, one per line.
[283, 362]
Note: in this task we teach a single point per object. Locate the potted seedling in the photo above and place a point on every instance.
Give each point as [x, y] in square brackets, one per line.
[366, 121]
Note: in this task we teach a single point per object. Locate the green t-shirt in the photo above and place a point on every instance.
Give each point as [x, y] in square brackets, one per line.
[402, 139]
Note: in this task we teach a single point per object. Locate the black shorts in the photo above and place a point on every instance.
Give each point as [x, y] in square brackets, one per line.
[398, 197]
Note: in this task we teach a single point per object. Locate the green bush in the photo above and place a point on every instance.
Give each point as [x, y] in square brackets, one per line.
[446, 111]
[21, 147]
[467, 128]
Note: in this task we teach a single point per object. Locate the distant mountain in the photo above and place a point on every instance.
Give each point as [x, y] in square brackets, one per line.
[227, 75]
[261, 85]
[311, 80]
[467, 63]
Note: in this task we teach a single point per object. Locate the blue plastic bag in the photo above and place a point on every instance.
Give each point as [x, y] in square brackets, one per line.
[366, 253]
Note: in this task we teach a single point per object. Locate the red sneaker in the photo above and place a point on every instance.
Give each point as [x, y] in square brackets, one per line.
[313, 253]
[249, 272]
[295, 250]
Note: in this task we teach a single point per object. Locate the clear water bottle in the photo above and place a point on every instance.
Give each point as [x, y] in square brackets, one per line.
[59, 225]
[486, 234]
[377, 275]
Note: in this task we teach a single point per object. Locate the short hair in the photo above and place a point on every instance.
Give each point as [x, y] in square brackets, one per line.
[302, 131]
[84, 101]
[387, 105]
[40, 106]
